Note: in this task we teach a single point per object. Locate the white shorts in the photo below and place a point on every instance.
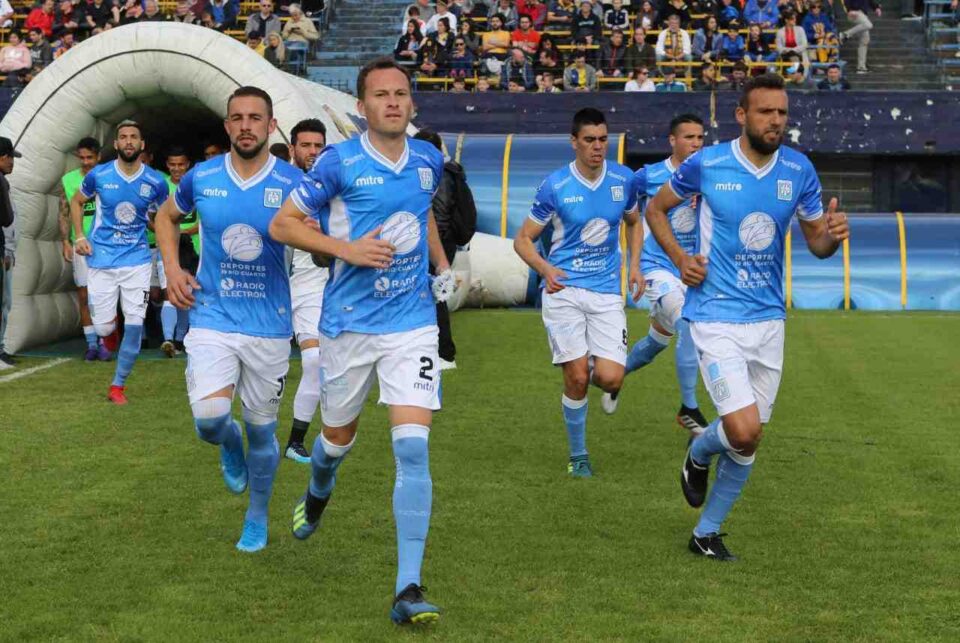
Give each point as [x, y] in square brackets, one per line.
[158, 278]
[666, 294]
[306, 298]
[406, 366]
[80, 270]
[256, 366]
[131, 285]
[741, 364]
[582, 322]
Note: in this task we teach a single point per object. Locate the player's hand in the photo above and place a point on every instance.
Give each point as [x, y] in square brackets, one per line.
[552, 276]
[837, 224]
[693, 269]
[180, 287]
[637, 285]
[82, 247]
[67, 252]
[443, 286]
[370, 252]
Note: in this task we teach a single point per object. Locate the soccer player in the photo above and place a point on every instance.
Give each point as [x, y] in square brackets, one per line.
[378, 314]
[239, 339]
[585, 202]
[176, 321]
[664, 289]
[307, 280]
[117, 253]
[87, 152]
[749, 190]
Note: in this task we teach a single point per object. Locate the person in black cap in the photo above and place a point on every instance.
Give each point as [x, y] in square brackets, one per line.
[7, 154]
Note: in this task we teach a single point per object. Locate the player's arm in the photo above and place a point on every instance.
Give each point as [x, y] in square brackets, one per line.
[180, 283]
[635, 281]
[524, 245]
[692, 268]
[824, 234]
[64, 221]
[80, 243]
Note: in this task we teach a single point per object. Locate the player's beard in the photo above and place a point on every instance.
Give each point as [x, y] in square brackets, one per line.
[131, 157]
[758, 143]
[250, 153]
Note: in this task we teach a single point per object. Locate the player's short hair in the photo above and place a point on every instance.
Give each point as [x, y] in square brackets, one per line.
[314, 125]
[763, 81]
[587, 116]
[281, 151]
[680, 119]
[249, 90]
[90, 144]
[129, 122]
[177, 150]
[431, 137]
[384, 62]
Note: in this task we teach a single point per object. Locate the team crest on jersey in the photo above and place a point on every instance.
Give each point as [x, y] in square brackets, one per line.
[784, 190]
[272, 197]
[145, 190]
[426, 178]
[616, 192]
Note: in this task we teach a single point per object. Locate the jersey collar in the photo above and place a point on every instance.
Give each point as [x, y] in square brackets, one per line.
[757, 172]
[587, 184]
[261, 174]
[129, 178]
[397, 167]
[667, 163]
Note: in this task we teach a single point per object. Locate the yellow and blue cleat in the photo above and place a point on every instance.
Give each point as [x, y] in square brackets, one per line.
[307, 507]
[579, 467]
[411, 608]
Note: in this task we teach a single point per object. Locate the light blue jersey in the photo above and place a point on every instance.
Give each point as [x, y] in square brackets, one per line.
[365, 190]
[586, 217]
[244, 286]
[683, 219]
[119, 233]
[745, 213]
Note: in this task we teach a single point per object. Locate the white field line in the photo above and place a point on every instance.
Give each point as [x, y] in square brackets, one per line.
[33, 369]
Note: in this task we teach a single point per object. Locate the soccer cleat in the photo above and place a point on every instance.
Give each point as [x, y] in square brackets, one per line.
[112, 341]
[91, 354]
[303, 528]
[447, 365]
[103, 354]
[7, 359]
[609, 402]
[410, 607]
[579, 467]
[295, 451]
[116, 395]
[168, 349]
[693, 481]
[234, 467]
[711, 546]
[692, 420]
[253, 538]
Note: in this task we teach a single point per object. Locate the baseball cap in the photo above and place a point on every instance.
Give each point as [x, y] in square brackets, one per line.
[6, 148]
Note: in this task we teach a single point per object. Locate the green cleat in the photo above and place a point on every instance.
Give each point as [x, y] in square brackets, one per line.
[308, 507]
[579, 467]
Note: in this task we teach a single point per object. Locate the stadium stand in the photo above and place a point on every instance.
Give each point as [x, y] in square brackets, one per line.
[942, 22]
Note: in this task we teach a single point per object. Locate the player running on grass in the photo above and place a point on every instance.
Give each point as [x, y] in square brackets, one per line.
[378, 316]
[585, 202]
[175, 322]
[239, 339]
[749, 190]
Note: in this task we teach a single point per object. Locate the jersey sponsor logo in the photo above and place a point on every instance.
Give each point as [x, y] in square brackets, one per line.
[365, 181]
[214, 192]
[573, 199]
[241, 242]
[382, 284]
[616, 192]
[272, 197]
[757, 231]
[125, 212]
[791, 165]
[727, 186]
[426, 178]
[719, 159]
[347, 162]
[784, 190]
[145, 190]
[202, 173]
[683, 220]
[595, 232]
[281, 178]
[619, 177]
[402, 229]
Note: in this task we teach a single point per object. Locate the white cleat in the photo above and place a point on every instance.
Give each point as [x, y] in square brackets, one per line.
[447, 366]
[609, 403]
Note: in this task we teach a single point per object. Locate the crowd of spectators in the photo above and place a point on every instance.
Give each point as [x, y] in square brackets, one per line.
[629, 45]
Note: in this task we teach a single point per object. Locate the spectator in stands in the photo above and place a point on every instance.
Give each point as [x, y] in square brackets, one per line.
[224, 14]
[708, 79]
[98, 14]
[580, 77]
[515, 85]
[469, 37]
[483, 85]
[67, 42]
[703, 9]
[132, 12]
[41, 53]
[183, 13]
[274, 52]
[857, 14]
[670, 82]
[616, 17]
[612, 54]
[67, 17]
[408, 44]
[459, 85]
[798, 7]
[706, 42]
[15, 60]
[413, 13]
[834, 82]
[547, 44]
[421, 11]
[640, 53]
[758, 51]
[6, 14]
[264, 21]
[676, 8]
[732, 46]
[795, 75]
[580, 47]
[817, 16]
[300, 28]
[738, 76]
[517, 66]
[525, 37]
[729, 14]
[762, 12]
[255, 42]
[673, 44]
[460, 61]
[791, 39]
[430, 58]
[42, 18]
[561, 13]
[641, 80]
[647, 16]
[152, 13]
[586, 24]
[546, 83]
[506, 10]
[442, 12]
[549, 60]
[443, 37]
[496, 40]
[536, 9]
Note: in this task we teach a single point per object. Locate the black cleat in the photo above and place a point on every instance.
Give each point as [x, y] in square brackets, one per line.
[693, 481]
[711, 546]
[692, 420]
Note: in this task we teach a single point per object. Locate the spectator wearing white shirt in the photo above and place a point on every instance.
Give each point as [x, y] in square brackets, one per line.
[673, 43]
[640, 82]
[442, 12]
[6, 14]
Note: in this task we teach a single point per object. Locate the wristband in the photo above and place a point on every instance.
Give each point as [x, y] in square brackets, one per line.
[78, 240]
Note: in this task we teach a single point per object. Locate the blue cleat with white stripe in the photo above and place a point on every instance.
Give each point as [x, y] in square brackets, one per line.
[234, 466]
[253, 538]
[411, 608]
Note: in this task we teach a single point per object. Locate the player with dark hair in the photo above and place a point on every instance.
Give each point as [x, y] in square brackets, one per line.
[748, 192]
[585, 202]
[175, 322]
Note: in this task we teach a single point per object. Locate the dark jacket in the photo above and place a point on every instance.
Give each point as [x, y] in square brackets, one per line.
[6, 213]
[454, 209]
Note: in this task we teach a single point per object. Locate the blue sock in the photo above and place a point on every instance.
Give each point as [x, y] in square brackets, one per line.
[575, 417]
[168, 320]
[687, 367]
[325, 460]
[263, 456]
[646, 349]
[709, 443]
[412, 498]
[129, 349]
[219, 430]
[732, 473]
[183, 324]
[90, 334]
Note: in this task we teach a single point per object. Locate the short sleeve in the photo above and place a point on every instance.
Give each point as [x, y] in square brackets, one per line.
[685, 182]
[810, 203]
[320, 184]
[88, 187]
[437, 168]
[183, 197]
[161, 193]
[631, 188]
[544, 204]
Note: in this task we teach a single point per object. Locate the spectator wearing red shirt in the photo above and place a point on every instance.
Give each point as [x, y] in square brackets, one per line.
[526, 38]
[41, 18]
[536, 9]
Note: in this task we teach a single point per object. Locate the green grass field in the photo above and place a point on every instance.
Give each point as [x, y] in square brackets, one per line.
[115, 524]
